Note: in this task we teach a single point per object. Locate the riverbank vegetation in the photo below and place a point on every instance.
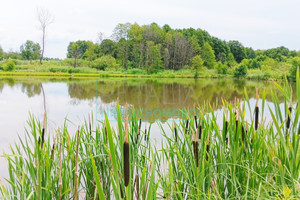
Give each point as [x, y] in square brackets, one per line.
[150, 49]
[202, 158]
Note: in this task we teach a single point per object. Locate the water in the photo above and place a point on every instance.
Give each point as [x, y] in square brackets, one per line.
[75, 99]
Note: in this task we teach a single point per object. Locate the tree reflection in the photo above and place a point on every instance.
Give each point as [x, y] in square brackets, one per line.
[149, 94]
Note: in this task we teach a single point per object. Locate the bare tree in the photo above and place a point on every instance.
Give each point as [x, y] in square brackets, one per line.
[45, 18]
[100, 37]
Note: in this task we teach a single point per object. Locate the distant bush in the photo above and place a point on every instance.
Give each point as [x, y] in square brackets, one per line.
[221, 69]
[240, 71]
[106, 62]
[135, 71]
[10, 65]
[293, 69]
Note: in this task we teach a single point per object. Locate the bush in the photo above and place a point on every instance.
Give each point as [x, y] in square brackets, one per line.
[106, 62]
[135, 71]
[240, 71]
[221, 69]
[10, 65]
[293, 69]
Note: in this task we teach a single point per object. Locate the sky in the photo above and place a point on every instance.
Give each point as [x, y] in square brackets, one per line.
[260, 24]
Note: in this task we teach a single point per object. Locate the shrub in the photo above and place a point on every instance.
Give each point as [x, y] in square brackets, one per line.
[221, 69]
[106, 62]
[293, 69]
[135, 71]
[240, 71]
[10, 65]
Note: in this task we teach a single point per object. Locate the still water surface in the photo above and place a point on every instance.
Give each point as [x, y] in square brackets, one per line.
[75, 99]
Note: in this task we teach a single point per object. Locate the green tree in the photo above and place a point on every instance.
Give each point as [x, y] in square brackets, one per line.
[250, 53]
[208, 56]
[93, 52]
[1, 53]
[153, 57]
[221, 68]
[238, 50]
[10, 65]
[293, 69]
[81, 47]
[197, 62]
[108, 47]
[195, 45]
[30, 50]
[240, 71]
[74, 51]
[105, 62]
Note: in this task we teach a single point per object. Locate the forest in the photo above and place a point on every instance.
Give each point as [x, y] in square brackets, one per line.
[151, 49]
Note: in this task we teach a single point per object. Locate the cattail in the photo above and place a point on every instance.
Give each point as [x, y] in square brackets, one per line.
[76, 166]
[41, 139]
[105, 131]
[199, 130]
[139, 130]
[200, 126]
[256, 111]
[195, 148]
[196, 121]
[237, 120]
[145, 137]
[243, 134]
[53, 146]
[207, 148]
[186, 126]
[235, 113]
[126, 155]
[226, 128]
[288, 121]
[175, 131]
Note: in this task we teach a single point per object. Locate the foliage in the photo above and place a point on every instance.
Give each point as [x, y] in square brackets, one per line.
[1, 53]
[208, 56]
[30, 50]
[78, 48]
[197, 63]
[238, 50]
[10, 65]
[105, 63]
[221, 69]
[240, 71]
[293, 69]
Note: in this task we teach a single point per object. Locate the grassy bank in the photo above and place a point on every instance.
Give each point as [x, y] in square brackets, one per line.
[62, 69]
[203, 158]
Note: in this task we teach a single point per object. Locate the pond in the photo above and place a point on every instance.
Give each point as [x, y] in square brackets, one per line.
[75, 99]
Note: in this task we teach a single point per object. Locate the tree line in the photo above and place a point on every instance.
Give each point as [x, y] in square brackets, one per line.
[154, 48]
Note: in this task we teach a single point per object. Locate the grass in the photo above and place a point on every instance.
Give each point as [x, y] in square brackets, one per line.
[58, 68]
[228, 159]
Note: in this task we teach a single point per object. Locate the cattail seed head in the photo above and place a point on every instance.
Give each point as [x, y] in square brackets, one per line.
[256, 117]
[288, 121]
[175, 131]
[186, 126]
[195, 148]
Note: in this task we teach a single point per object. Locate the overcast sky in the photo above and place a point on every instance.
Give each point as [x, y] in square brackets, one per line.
[259, 24]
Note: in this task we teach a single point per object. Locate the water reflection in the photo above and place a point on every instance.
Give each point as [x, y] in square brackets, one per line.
[148, 94]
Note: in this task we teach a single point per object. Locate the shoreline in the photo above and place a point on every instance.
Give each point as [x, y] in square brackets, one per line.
[122, 75]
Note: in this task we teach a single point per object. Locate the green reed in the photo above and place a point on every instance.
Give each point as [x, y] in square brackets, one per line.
[203, 158]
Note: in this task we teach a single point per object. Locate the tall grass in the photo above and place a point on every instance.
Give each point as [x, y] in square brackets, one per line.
[203, 158]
